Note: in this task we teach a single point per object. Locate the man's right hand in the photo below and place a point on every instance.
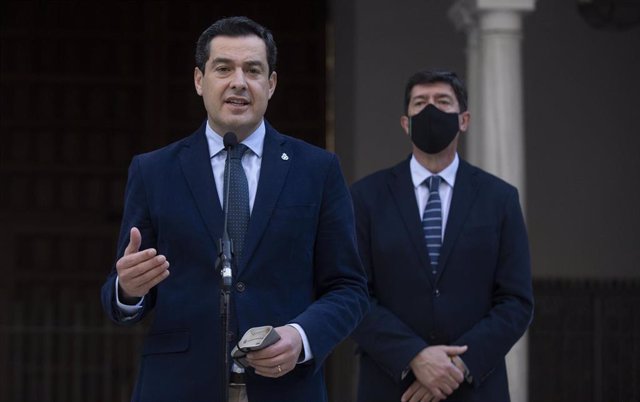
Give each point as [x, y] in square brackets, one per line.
[434, 369]
[139, 271]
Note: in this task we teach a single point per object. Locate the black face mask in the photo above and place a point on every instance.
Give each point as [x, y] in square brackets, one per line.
[432, 130]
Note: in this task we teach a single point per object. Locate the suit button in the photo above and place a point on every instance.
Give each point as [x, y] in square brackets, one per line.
[436, 293]
[432, 337]
[240, 287]
[231, 336]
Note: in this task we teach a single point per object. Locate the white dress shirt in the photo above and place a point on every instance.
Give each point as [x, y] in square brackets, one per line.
[418, 176]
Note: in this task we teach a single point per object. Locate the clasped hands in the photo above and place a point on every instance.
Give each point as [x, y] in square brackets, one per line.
[438, 371]
[139, 271]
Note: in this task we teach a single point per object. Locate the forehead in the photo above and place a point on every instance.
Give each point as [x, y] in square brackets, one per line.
[238, 48]
[432, 90]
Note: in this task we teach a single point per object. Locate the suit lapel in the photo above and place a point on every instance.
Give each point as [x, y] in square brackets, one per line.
[196, 166]
[404, 195]
[273, 174]
[464, 194]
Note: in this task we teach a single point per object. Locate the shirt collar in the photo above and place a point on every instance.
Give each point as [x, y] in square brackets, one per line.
[419, 173]
[255, 141]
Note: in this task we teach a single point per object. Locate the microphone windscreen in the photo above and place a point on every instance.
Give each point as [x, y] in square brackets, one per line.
[230, 140]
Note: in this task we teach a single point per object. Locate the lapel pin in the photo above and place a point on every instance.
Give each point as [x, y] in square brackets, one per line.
[284, 157]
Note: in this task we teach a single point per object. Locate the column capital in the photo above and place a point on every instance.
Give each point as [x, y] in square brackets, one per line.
[505, 5]
[463, 12]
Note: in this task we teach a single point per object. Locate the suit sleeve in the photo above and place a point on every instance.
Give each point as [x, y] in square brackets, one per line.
[382, 335]
[136, 213]
[339, 281]
[493, 336]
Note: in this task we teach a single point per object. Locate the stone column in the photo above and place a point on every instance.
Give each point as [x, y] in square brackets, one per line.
[496, 136]
[463, 15]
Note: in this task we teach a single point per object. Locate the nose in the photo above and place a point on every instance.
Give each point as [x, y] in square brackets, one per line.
[238, 80]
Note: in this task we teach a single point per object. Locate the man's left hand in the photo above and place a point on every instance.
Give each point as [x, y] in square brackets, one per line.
[281, 357]
[416, 393]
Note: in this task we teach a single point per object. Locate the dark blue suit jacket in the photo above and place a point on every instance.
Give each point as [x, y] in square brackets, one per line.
[481, 296]
[299, 264]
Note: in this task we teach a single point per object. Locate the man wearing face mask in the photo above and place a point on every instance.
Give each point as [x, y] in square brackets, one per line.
[446, 251]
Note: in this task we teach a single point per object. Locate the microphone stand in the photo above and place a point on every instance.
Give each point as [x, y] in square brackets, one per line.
[225, 258]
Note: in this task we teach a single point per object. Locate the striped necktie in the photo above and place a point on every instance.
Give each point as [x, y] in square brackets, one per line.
[238, 208]
[432, 222]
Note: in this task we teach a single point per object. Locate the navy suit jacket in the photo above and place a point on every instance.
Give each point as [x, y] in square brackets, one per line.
[481, 296]
[299, 265]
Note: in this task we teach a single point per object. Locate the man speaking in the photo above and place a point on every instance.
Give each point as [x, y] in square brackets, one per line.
[295, 262]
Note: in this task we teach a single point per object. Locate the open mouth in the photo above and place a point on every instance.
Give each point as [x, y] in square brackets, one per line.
[237, 102]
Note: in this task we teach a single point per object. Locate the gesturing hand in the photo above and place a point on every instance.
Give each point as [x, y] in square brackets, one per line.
[139, 271]
[434, 369]
[281, 357]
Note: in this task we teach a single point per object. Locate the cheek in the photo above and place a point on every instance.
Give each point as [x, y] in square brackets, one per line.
[212, 92]
[263, 94]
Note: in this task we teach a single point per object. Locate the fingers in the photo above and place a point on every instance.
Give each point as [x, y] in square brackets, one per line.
[457, 361]
[416, 393]
[279, 358]
[456, 373]
[137, 280]
[437, 394]
[273, 371]
[135, 239]
[435, 370]
[454, 350]
[274, 361]
[451, 380]
[139, 271]
[146, 273]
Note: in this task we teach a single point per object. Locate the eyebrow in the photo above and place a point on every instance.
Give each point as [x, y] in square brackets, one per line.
[435, 96]
[225, 60]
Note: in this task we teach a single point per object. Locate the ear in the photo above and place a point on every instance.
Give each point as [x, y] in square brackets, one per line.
[404, 123]
[463, 120]
[273, 80]
[197, 80]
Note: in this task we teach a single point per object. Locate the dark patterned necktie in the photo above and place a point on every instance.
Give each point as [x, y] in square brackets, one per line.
[238, 208]
[432, 222]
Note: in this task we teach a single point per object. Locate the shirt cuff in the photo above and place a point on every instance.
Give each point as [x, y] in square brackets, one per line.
[305, 344]
[129, 311]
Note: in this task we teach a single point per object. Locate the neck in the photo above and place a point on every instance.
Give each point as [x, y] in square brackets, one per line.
[241, 132]
[436, 163]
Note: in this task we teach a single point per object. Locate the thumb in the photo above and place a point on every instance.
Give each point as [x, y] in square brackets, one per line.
[455, 350]
[135, 239]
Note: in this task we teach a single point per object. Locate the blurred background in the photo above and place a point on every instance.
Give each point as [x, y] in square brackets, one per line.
[84, 86]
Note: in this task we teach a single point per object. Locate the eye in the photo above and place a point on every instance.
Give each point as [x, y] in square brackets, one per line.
[222, 69]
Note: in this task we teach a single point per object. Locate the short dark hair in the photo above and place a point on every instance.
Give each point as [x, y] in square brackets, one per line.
[433, 76]
[234, 27]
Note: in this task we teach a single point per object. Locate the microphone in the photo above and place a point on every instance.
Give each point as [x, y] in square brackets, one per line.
[226, 248]
[230, 140]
